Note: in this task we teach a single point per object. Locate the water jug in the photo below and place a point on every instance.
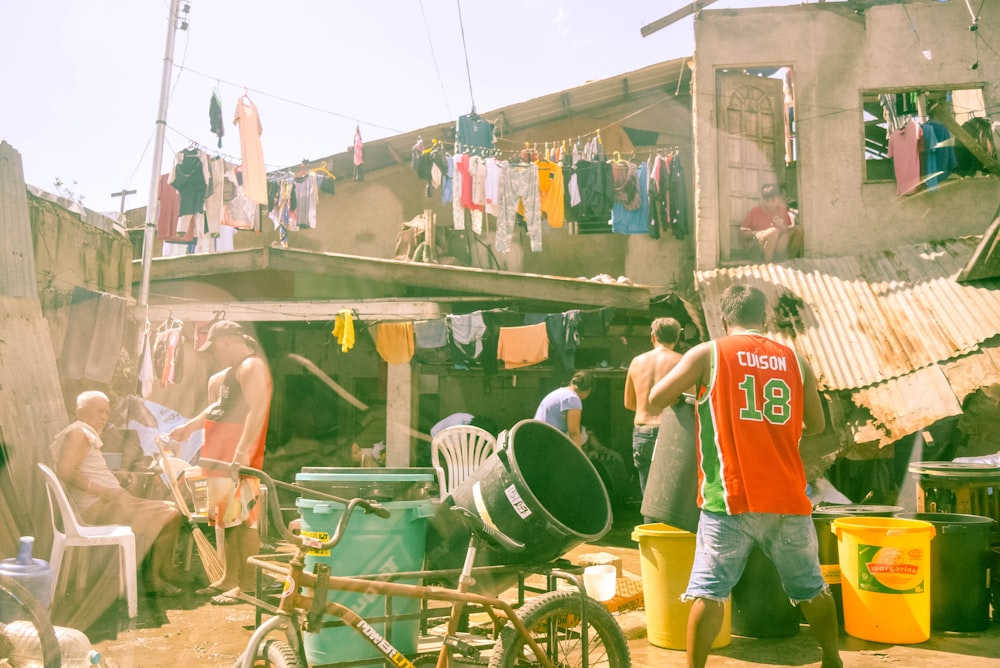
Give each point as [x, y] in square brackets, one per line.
[35, 575]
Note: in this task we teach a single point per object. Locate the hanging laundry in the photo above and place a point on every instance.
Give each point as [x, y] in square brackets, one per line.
[473, 135]
[307, 200]
[904, 151]
[190, 177]
[215, 116]
[96, 325]
[467, 334]
[214, 196]
[394, 342]
[625, 220]
[240, 212]
[550, 184]
[169, 210]
[431, 341]
[519, 184]
[359, 157]
[168, 352]
[343, 329]
[523, 346]
[251, 151]
[415, 152]
[680, 217]
[146, 373]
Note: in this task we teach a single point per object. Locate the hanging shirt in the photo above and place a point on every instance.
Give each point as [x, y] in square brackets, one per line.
[633, 221]
[251, 151]
[473, 135]
[550, 186]
[190, 177]
[169, 209]
[905, 154]
[306, 200]
[467, 333]
[214, 196]
[215, 117]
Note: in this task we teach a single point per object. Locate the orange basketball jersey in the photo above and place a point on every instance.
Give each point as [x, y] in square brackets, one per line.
[748, 429]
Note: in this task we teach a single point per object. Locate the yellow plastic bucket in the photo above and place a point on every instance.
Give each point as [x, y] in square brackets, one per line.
[885, 564]
[666, 558]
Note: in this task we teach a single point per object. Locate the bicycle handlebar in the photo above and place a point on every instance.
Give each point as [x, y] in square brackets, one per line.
[368, 505]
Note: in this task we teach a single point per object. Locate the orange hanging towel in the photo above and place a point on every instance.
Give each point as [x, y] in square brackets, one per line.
[523, 346]
[394, 342]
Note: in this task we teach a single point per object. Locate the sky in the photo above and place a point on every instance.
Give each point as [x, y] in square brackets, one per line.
[82, 80]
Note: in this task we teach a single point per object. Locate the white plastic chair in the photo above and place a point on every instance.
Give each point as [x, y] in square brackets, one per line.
[74, 534]
[463, 448]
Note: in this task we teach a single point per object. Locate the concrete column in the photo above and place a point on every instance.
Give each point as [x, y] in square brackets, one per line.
[399, 414]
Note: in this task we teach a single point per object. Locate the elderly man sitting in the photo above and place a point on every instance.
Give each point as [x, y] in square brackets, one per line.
[100, 498]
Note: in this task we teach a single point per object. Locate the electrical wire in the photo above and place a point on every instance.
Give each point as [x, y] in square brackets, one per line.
[257, 91]
[430, 43]
[465, 49]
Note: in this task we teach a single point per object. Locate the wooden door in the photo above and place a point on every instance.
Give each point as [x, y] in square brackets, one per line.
[751, 153]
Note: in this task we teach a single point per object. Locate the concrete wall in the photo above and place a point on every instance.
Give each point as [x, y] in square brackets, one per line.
[836, 54]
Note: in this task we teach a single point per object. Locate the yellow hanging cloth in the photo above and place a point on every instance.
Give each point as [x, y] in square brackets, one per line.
[343, 329]
[394, 342]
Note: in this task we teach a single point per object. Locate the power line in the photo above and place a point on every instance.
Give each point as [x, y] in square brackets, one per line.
[465, 50]
[257, 91]
[430, 43]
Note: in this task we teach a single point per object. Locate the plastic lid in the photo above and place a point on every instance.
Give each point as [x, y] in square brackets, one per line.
[955, 469]
[850, 510]
[320, 474]
[659, 530]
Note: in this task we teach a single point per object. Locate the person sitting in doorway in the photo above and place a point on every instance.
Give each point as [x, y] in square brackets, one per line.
[100, 498]
[772, 225]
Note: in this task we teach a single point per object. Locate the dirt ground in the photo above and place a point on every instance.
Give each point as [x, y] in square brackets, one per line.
[187, 631]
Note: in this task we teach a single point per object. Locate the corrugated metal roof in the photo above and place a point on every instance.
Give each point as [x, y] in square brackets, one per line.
[869, 318]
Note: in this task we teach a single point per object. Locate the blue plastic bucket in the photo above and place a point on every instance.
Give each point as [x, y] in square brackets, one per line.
[371, 545]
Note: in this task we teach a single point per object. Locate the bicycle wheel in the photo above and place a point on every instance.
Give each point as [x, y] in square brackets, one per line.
[553, 619]
[277, 654]
[39, 617]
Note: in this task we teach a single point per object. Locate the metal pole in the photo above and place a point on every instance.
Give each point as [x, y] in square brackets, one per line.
[154, 182]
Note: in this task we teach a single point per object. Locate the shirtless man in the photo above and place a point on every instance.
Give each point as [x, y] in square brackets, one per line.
[643, 373]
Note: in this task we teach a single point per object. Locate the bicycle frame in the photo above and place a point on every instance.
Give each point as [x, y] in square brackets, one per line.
[294, 604]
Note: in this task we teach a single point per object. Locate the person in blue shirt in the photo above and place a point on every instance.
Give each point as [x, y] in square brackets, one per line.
[562, 408]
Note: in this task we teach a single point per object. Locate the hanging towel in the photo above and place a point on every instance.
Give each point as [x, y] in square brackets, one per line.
[343, 329]
[523, 346]
[394, 342]
[430, 333]
[467, 333]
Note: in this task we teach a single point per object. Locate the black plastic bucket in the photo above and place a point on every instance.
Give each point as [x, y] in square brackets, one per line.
[761, 608]
[960, 566]
[671, 493]
[829, 556]
[538, 488]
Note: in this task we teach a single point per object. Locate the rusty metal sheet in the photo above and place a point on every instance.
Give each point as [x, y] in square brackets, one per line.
[870, 318]
[902, 406]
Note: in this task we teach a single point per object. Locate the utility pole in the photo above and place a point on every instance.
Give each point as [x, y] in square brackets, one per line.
[152, 207]
[123, 194]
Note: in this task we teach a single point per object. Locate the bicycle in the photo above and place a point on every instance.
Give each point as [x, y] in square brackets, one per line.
[563, 628]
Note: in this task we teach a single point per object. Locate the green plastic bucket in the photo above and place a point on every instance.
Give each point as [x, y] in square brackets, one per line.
[371, 545]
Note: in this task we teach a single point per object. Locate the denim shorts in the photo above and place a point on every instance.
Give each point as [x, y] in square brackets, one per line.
[724, 543]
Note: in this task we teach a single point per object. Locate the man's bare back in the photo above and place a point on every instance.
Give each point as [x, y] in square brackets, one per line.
[643, 373]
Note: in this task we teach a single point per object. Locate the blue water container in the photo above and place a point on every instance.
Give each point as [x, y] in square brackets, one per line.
[35, 575]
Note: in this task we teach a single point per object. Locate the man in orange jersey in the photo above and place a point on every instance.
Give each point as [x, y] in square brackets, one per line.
[755, 400]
